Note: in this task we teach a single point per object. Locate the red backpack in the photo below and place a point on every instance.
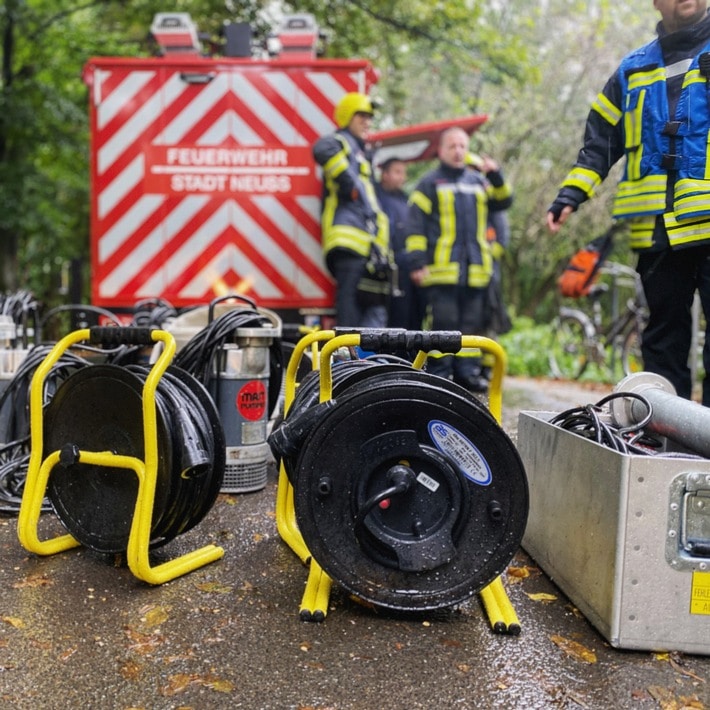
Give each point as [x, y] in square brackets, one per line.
[582, 269]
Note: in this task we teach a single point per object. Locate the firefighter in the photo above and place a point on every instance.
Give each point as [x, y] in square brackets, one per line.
[449, 254]
[654, 111]
[354, 229]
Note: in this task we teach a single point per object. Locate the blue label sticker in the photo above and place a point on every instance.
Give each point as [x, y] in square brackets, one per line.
[451, 442]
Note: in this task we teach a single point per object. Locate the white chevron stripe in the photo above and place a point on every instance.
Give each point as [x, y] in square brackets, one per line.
[151, 246]
[122, 95]
[203, 102]
[230, 125]
[304, 243]
[278, 124]
[272, 251]
[145, 115]
[330, 88]
[114, 238]
[309, 111]
[113, 193]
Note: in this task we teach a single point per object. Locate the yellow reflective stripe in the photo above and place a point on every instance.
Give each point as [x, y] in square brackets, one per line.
[690, 186]
[480, 274]
[497, 250]
[646, 78]
[382, 238]
[442, 274]
[654, 184]
[689, 207]
[447, 225]
[637, 205]
[416, 242]
[469, 352]
[336, 165]
[693, 77]
[640, 197]
[632, 129]
[500, 193]
[478, 277]
[686, 232]
[339, 235]
[421, 201]
[641, 232]
[707, 157]
[607, 110]
[584, 179]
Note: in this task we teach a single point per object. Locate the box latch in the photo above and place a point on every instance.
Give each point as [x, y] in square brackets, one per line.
[695, 528]
[688, 535]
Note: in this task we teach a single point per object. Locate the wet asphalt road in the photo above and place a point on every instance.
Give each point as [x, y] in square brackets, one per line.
[78, 631]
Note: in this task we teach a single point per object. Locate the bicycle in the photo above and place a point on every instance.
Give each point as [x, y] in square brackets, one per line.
[579, 339]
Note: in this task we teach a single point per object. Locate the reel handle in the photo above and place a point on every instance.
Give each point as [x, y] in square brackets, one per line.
[396, 340]
[111, 336]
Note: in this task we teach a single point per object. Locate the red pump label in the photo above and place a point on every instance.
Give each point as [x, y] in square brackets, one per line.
[251, 400]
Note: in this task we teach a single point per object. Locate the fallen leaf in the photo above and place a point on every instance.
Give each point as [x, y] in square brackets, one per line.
[519, 572]
[13, 621]
[177, 683]
[219, 684]
[143, 643]
[542, 597]
[214, 588]
[155, 616]
[66, 655]
[33, 581]
[131, 670]
[574, 649]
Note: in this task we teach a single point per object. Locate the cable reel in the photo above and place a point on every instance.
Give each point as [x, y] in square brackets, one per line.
[100, 408]
[406, 489]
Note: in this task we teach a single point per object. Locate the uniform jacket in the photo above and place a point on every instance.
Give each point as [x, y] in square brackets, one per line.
[447, 225]
[351, 217]
[654, 111]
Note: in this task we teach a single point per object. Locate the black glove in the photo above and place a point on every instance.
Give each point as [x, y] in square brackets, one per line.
[558, 205]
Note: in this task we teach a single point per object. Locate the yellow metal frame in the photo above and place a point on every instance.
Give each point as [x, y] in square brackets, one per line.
[146, 470]
[314, 603]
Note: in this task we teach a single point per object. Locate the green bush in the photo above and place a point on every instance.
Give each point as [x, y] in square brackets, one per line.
[526, 346]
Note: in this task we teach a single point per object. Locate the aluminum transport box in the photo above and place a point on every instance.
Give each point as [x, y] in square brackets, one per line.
[625, 537]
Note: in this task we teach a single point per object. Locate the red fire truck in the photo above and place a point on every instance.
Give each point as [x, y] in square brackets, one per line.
[202, 178]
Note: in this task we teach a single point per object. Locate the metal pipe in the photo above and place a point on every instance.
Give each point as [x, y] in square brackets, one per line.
[676, 418]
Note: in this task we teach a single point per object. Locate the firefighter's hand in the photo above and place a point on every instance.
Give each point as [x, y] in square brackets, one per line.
[556, 218]
[417, 276]
[489, 165]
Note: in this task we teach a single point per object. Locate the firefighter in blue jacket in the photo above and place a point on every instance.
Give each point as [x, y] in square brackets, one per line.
[448, 251]
[354, 228]
[655, 111]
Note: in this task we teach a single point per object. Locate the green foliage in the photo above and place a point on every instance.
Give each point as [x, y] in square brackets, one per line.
[532, 67]
[526, 347]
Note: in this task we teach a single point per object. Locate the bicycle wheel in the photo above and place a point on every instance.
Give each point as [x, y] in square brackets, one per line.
[631, 358]
[568, 355]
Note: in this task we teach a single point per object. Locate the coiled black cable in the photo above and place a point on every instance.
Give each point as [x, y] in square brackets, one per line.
[591, 422]
[200, 356]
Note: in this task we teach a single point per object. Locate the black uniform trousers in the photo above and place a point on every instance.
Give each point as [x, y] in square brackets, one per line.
[670, 279]
[459, 308]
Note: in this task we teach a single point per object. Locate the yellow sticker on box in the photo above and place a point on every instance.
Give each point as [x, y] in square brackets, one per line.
[700, 593]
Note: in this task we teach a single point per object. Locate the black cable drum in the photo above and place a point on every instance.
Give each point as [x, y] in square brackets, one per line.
[406, 490]
[99, 408]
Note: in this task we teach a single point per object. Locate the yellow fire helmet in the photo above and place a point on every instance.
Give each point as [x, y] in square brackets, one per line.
[349, 105]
